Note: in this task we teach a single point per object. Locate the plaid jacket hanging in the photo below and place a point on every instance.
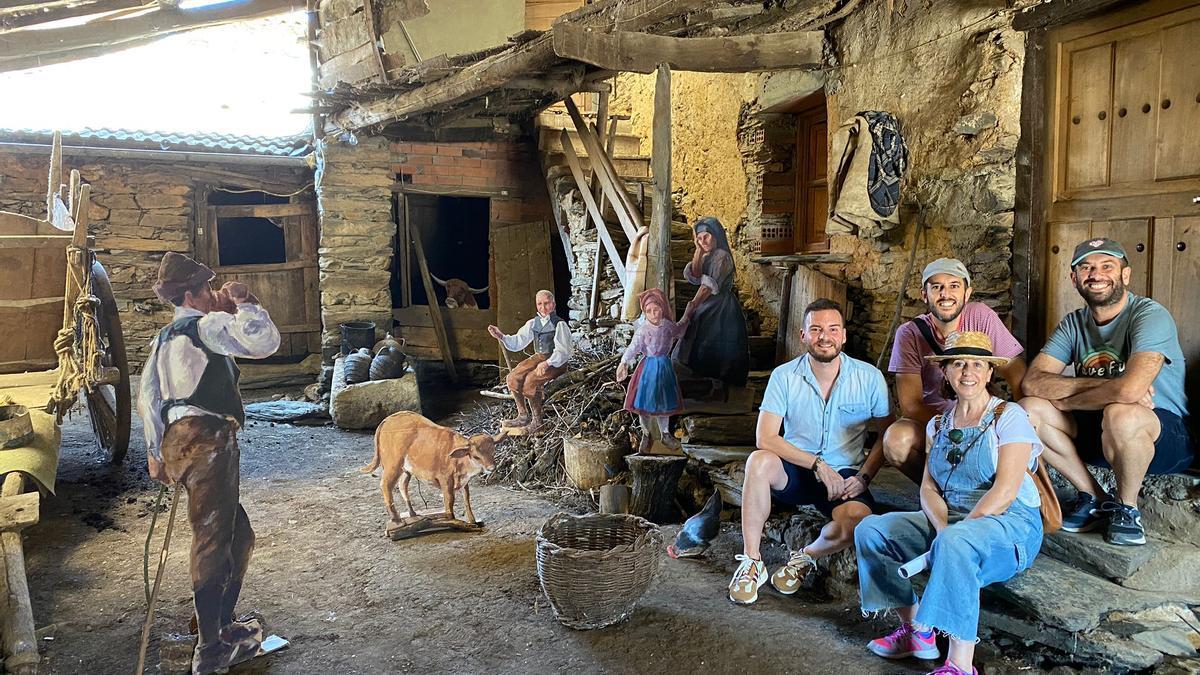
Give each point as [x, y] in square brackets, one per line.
[889, 161]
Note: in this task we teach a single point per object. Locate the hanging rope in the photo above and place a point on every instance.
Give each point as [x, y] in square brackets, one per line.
[77, 344]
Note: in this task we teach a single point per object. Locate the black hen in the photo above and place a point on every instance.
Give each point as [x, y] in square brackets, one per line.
[699, 530]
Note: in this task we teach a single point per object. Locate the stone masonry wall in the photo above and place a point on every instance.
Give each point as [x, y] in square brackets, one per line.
[355, 185]
[354, 195]
[950, 72]
[139, 211]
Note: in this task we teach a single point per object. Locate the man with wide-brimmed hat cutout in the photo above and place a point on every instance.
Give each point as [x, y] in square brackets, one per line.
[191, 410]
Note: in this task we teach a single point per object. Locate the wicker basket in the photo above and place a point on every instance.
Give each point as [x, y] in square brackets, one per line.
[595, 567]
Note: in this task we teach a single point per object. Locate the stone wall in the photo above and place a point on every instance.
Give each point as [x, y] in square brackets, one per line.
[354, 196]
[139, 211]
[951, 73]
[958, 99]
[355, 186]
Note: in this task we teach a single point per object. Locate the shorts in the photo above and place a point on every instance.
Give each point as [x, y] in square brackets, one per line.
[1173, 451]
[803, 489]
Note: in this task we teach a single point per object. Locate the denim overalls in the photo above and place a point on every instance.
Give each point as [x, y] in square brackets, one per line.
[968, 554]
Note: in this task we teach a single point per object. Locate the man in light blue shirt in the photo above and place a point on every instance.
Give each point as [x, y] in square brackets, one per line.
[824, 401]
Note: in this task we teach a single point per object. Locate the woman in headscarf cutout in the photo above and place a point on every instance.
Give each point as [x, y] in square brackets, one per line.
[715, 343]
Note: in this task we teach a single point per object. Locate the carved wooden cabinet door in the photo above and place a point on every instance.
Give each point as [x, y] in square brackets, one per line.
[1123, 106]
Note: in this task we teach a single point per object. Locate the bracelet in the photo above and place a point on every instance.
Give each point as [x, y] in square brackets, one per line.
[865, 477]
[817, 464]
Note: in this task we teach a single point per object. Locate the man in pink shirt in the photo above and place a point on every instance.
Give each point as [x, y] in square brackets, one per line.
[946, 290]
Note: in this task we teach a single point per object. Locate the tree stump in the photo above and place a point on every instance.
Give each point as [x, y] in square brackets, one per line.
[614, 499]
[591, 462]
[655, 479]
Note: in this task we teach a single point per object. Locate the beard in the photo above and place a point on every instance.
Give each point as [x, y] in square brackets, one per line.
[826, 357]
[945, 318]
[1103, 298]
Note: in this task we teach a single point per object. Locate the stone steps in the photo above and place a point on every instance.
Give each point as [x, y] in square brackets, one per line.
[1094, 620]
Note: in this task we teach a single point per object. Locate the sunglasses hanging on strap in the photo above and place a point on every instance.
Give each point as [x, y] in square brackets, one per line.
[1051, 510]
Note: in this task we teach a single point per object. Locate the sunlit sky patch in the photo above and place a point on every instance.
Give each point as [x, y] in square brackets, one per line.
[238, 79]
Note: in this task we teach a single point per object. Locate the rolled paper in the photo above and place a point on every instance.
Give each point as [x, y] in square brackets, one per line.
[915, 566]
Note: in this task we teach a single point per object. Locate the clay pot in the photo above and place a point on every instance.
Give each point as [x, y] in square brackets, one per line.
[389, 341]
[358, 366]
[388, 363]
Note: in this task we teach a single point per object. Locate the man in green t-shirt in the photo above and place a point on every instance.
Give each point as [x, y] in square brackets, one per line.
[1125, 407]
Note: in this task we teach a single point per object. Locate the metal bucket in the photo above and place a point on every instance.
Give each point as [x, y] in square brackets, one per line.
[356, 335]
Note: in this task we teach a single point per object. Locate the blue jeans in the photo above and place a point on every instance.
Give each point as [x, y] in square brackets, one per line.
[965, 557]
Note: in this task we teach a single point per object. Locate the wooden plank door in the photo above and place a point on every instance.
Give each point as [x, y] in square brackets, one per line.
[288, 289]
[1177, 286]
[523, 266]
[1123, 90]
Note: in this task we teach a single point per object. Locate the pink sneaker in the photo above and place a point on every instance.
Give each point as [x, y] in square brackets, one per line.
[905, 641]
[948, 668]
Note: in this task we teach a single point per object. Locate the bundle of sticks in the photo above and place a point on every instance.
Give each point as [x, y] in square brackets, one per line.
[585, 400]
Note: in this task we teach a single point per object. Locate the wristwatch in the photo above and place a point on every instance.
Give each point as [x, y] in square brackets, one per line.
[865, 478]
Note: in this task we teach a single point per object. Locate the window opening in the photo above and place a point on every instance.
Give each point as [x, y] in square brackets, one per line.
[248, 240]
[455, 235]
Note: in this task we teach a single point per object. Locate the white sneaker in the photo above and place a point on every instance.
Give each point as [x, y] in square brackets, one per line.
[751, 574]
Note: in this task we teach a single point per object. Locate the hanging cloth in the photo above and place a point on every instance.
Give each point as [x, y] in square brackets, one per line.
[866, 189]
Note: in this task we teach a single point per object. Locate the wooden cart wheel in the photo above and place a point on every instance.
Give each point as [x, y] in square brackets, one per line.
[109, 404]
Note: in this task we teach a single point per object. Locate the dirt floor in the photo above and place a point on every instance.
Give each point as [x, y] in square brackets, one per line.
[352, 601]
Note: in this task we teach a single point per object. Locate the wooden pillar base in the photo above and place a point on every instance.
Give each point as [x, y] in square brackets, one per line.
[655, 480]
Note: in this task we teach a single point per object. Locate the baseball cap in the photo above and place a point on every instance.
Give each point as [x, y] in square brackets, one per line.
[951, 266]
[1098, 245]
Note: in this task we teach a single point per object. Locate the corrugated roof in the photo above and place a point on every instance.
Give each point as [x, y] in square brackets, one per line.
[284, 146]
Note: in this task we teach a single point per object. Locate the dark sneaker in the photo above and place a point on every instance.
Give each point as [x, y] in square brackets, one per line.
[1125, 528]
[1084, 516]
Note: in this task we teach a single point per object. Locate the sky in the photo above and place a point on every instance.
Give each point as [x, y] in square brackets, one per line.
[240, 79]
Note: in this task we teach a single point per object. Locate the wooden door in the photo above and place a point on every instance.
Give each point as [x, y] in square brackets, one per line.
[523, 265]
[287, 289]
[1123, 91]
[812, 185]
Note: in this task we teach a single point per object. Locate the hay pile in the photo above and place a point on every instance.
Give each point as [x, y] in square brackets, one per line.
[585, 400]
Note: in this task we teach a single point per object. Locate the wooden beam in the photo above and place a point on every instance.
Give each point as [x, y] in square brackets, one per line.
[642, 52]
[31, 48]
[605, 137]
[265, 210]
[373, 34]
[492, 72]
[1050, 14]
[627, 213]
[659, 249]
[16, 625]
[592, 207]
[18, 512]
[30, 15]
[435, 310]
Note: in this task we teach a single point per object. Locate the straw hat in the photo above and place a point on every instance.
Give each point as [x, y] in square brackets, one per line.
[972, 345]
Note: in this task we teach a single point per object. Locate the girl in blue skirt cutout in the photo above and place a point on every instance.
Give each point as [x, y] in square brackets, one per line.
[654, 392]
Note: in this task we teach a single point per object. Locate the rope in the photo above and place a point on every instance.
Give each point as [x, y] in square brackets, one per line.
[77, 345]
[162, 563]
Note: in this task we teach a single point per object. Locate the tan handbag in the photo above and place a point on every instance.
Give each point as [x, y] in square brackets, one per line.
[1051, 509]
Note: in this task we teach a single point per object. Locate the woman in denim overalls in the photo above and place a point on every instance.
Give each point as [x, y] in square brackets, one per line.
[979, 520]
